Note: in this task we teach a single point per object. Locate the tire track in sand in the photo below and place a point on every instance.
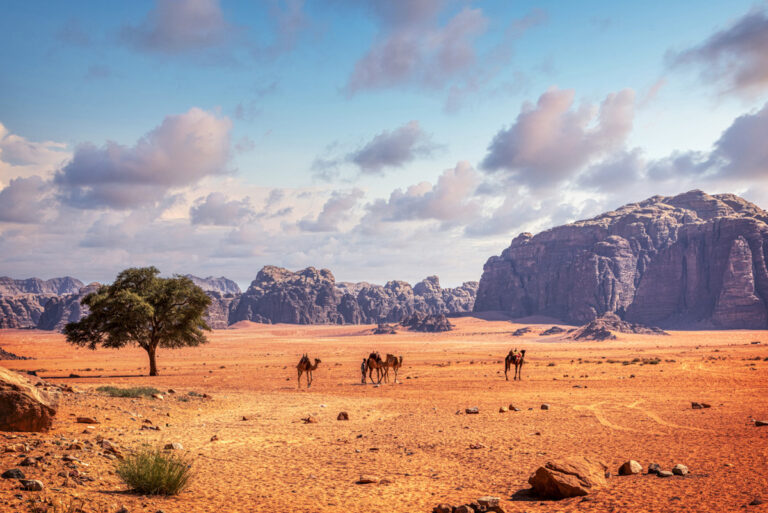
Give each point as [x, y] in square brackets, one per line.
[597, 412]
[635, 406]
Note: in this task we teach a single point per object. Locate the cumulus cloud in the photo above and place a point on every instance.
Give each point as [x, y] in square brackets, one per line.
[179, 26]
[414, 47]
[450, 200]
[181, 151]
[24, 200]
[736, 58]
[742, 150]
[393, 149]
[216, 209]
[335, 211]
[551, 140]
[19, 151]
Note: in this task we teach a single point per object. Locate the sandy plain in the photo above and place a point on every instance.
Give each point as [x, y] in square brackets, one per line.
[410, 433]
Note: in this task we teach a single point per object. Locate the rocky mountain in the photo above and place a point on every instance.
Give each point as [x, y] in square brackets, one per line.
[221, 284]
[688, 261]
[312, 296]
[52, 287]
[61, 310]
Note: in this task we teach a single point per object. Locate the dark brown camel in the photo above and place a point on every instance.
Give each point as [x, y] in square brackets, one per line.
[394, 363]
[374, 361]
[305, 365]
[516, 358]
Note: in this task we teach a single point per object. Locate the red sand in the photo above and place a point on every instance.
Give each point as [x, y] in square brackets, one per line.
[409, 433]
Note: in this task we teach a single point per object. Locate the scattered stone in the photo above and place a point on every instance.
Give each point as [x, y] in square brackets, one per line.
[343, 416]
[23, 405]
[28, 462]
[214, 438]
[175, 446]
[664, 473]
[759, 423]
[13, 473]
[520, 332]
[310, 420]
[31, 485]
[123, 509]
[87, 420]
[472, 411]
[443, 508]
[367, 479]
[630, 467]
[159, 397]
[544, 406]
[554, 330]
[699, 406]
[512, 407]
[477, 446]
[503, 409]
[570, 477]
[680, 470]
[654, 468]
[385, 481]
[756, 501]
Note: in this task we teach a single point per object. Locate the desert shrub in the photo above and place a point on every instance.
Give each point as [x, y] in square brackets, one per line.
[128, 392]
[651, 361]
[153, 471]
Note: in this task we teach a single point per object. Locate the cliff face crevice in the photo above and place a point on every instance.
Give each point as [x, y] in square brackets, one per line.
[689, 261]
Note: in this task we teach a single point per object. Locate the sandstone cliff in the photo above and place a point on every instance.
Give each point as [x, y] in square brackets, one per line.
[688, 261]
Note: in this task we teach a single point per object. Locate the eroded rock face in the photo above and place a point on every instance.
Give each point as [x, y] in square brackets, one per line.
[688, 261]
[59, 311]
[54, 286]
[312, 296]
[23, 406]
[222, 285]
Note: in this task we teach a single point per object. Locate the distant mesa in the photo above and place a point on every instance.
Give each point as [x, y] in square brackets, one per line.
[691, 261]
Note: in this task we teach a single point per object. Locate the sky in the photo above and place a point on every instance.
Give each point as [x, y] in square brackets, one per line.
[381, 140]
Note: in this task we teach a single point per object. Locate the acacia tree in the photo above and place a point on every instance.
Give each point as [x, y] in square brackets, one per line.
[143, 309]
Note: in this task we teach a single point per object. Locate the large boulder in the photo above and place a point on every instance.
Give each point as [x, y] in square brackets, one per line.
[23, 406]
[688, 261]
[570, 477]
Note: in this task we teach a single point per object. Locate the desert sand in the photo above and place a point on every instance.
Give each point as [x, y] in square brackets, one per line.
[409, 434]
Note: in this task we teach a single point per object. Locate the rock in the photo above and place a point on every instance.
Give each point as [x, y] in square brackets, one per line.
[464, 508]
[24, 406]
[630, 467]
[310, 420]
[343, 416]
[28, 462]
[6, 355]
[680, 470]
[570, 477]
[654, 468]
[123, 509]
[757, 501]
[554, 330]
[488, 502]
[688, 261]
[214, 438]
[443, 508]
[386, 481]
[159, 397]
[87, 420]
[760, 423]
[367, 479]
[603, 328]
[13, 473]
[544, 406]
[664, 473]
[472, 411]
[503, 409]
[521, 331]
[427, 323]
[477, 446]
[31, 485]
[175, 446]
[512, 407]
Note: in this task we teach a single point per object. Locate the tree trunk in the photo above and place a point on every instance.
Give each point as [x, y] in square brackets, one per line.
[151, 351]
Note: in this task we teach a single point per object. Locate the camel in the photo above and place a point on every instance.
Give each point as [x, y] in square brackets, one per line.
[374, 361]
[303, 366]
[516, 358]
[394, 363]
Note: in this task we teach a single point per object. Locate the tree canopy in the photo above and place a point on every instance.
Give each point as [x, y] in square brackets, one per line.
[142, 309]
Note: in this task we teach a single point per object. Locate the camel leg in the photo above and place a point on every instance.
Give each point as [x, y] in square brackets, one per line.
[370, 373]
[298, 385]
[506, 370]
[309, 379]
[395, 370]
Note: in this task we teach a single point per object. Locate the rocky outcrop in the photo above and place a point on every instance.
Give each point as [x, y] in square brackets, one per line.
[52, 287]
[220, 310]
[23, 406]
[59, 311]
[428, 323]
[312, 296]
[603, 328]
[222, 285]
[22, 311]
[688, 261]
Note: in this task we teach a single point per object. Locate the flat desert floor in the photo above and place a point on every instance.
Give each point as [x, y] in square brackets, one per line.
[605, 403]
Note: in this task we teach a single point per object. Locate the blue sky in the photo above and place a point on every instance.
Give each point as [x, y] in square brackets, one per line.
[214, 137]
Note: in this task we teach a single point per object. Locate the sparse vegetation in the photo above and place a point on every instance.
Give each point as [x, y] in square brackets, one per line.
[128, 392]
[153, 471]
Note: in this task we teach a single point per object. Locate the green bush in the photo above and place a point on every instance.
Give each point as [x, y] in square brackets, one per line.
[128, 392]
[153, 471]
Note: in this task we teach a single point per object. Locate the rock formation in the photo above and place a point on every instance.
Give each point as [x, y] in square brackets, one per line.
[688, 261]
[221, 285]
[570, 477]
[603, 328]
[52, 287]
[59, 311]
[428, 323]
[23, 406]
